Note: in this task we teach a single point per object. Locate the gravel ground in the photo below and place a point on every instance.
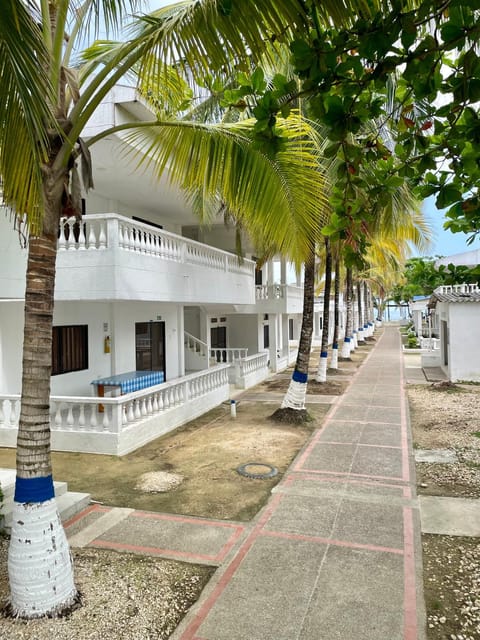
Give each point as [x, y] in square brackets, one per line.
[125, 597]
[448, 417]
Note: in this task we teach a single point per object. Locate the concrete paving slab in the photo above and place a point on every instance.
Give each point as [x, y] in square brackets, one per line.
[384, 414]
[320, 486]
[99, 526]
[383, 462]
[351, 586]
[330, 457]
[360, 522]
[268, 597]
[442, 456]
[435, 374]
[375, 399]
[307, 516]
[450, 516]
[340, 431]
[171, 535]
[354, 412]
[381, 434]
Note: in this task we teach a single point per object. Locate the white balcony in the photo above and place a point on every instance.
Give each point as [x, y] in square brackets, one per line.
[279, 298]
[110, 257]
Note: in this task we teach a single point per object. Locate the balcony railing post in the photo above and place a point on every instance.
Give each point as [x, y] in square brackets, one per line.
[113, 236]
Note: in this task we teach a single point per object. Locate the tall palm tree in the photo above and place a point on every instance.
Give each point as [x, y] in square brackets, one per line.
[45, 104]
[336, 311]
[322, 362]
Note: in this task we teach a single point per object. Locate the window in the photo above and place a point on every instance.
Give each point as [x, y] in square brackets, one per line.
[290, 328]
[266, 336]
[69, 349]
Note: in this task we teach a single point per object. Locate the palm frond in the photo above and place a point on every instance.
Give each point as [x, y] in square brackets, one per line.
[281, 202]
[25, 116]
[211, 36]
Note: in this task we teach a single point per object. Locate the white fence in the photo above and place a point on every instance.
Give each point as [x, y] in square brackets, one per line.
[121, 424]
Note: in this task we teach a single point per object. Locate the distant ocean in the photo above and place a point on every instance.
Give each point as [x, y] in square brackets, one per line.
[395, 313]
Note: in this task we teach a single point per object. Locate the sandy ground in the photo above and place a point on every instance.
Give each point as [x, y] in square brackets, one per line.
[448, 417]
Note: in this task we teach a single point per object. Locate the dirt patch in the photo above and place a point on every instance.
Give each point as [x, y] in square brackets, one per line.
[206, 453]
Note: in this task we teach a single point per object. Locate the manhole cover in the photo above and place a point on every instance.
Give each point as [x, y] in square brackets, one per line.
[257, 470]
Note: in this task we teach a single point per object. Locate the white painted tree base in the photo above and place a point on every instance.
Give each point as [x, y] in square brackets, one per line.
[295, 396]
[346, 350]
[322, 370]
[39, 562]
[334, 360]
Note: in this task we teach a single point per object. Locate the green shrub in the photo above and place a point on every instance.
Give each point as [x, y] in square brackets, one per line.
[412, 342]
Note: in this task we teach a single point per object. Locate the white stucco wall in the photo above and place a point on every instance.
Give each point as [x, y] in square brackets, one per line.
[464, 348]
[13, 263]
[11, 345]
[243, 332]
[120, 319]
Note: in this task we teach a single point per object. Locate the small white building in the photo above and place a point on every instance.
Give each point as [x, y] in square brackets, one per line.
[457, 311]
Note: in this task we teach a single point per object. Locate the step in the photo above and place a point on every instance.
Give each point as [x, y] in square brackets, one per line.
[7, 484]
[68, 502]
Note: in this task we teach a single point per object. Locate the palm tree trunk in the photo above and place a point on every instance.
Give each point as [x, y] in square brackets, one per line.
[38, 545]
[369, 315]
[336, 313]
[297, 390]
[361, 307]
[322, 362]
[347, 346]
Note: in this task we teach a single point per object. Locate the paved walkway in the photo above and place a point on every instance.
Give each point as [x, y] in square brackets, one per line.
[335, 554]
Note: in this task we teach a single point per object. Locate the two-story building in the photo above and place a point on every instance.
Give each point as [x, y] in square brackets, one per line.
[155, 317]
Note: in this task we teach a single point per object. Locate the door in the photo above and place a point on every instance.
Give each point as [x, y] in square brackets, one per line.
[218, 343]
[444, 331]
[150, 346]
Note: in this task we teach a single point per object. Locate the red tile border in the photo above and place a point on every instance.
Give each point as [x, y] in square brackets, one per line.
[81, 514]
[152, 551]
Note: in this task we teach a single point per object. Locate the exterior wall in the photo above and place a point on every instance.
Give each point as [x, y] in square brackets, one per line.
[119, 319]
[464, 347]
[14, 259]
[243, 332]
[11, 346]
[193, 324]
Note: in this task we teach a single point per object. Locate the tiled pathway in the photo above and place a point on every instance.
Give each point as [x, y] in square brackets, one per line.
[335, 554]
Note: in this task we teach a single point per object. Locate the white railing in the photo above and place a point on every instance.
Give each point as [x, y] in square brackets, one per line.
[113, 415]
[228, 355]
[278, 292]
[269, 291]
[429, 343]
[195, 345]
[458, 288]
[253, 363]
[111, 231]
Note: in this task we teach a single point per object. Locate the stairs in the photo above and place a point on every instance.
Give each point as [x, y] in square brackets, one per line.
[68, 502]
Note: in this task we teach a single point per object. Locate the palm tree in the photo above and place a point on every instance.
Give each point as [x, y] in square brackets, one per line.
[45, 104]
[322, 362]
[336, 312]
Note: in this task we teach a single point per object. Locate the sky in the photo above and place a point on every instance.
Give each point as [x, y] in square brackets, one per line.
[445, 243]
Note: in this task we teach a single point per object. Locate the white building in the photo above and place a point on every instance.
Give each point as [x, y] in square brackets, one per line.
[141, 287]
[457, 311]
